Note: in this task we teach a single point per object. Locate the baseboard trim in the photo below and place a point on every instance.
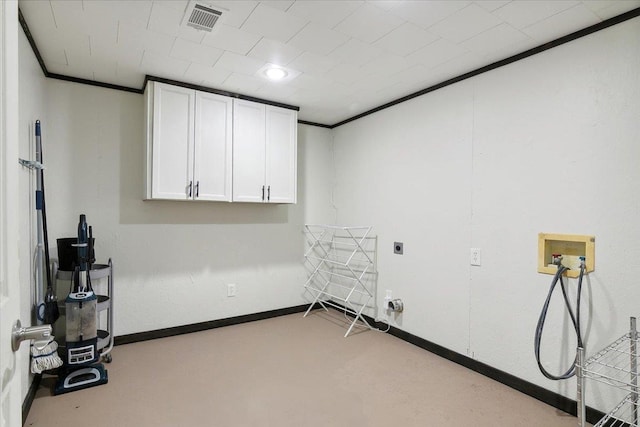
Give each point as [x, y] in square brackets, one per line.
[551, 398]
[31, 394]
[203, 326]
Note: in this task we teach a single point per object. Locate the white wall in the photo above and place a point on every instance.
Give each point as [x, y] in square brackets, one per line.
[172, 260]
[547, 144]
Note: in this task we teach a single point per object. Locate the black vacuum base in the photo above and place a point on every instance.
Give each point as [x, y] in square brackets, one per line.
[80, 378]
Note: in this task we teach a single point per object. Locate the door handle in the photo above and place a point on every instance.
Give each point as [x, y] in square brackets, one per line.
[190, 188]
[268, 193]
[263, 193]
[40, 333]
[198, 189]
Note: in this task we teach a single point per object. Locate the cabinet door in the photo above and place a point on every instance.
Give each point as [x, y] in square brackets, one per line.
[248, 151]
[281, 146]
[213, 147]
[172, 142]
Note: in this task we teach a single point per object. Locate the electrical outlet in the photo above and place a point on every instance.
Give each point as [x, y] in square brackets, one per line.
[231, 290]
[476, 256]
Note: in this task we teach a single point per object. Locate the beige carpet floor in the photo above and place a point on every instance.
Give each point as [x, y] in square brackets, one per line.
[288, 371]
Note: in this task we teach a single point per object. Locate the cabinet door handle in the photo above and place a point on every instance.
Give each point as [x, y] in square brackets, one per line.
[268, 193]
[190, 188]
[197, 188]
[263, 192]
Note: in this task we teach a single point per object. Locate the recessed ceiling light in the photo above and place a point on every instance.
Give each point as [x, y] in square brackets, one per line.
[275, 73]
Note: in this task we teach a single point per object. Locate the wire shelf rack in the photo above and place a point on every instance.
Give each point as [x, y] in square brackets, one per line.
[616, 365]
[341, 262]
[623, 415]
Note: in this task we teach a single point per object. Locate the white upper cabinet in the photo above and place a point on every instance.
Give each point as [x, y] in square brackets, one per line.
[213, 147]
[264, 153]
[170, 142]
[281, 146]
[204, 146]
[249, 152]
[189, 144]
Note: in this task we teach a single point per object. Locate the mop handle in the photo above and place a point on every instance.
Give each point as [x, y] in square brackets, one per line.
[43, 205]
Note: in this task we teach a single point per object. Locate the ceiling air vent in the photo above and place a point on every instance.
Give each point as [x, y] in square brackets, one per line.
[200, 16]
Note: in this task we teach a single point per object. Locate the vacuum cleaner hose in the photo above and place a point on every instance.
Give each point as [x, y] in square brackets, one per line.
[575, 320]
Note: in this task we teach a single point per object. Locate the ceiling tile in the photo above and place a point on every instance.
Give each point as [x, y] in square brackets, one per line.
[312, 63]
[416, 79]
[562, 23]
[195, 52]
[167, 20]
[426, 13]
[273, 23]
[436, 53]
[282, 5]
[458, 66]
[199, 74]
[234, 12]
[368, 23]
[131, 55]
[318, 39]
[170, 68]
[521, 14]
[77, 50]
[129, 77]
[344, 73]
[239, 63]
[465, 23]
[232, 39]
[241, 83]
[491, 5]
[60, 44]
[134, 12]
[179, 5]
[606, 9]
[318, 12]
[274, 52]
[63, 8]
[104, 70]
[39, 16]
[276, 92]
[384, 4]
[66, 70]
[406, 39]
[72, 19]
[355, 52]
[135, 37]
[316, 85]
[385, 65]
[496, 39]
[52, 53]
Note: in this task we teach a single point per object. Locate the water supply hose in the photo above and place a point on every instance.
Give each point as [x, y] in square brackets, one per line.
[575, 320]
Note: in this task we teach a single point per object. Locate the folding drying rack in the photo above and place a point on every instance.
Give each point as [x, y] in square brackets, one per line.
[342, 269]
[615, 365]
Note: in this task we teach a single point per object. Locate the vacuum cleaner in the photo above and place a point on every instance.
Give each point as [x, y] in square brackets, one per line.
[81, 369]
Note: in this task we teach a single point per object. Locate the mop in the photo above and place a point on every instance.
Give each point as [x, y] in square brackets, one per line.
[44, 356]
[44, 353]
